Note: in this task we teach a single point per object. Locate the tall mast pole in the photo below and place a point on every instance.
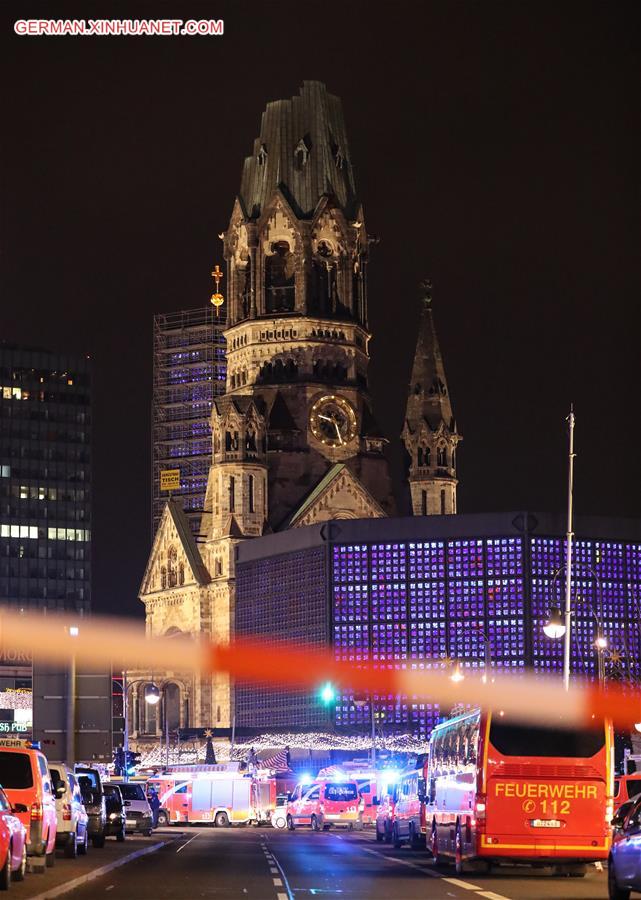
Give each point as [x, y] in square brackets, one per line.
[568, 570]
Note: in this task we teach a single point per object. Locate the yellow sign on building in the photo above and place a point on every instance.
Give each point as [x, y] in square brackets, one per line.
[169, 479]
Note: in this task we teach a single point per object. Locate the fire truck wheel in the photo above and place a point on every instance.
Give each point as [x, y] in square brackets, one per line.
[290, 823]
[459, 865]
[434, 844]
[396, 841]
[163, 818]
[314, 824]
[326, 827]
[221, 820]
[415, 839]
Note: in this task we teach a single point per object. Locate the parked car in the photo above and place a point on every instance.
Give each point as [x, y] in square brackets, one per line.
[93, 797]
[72, 821]
[627, 786]
[25, 777]
[137, 808]
[116, 817]
[279, 814]
[13, 844]
[624, 864]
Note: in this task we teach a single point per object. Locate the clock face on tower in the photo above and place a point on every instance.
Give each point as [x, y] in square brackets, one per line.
[332, 421]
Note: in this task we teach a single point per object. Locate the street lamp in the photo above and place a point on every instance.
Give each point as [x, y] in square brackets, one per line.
[152, 697]
[360, 700]
[559, 626]
[457, 674]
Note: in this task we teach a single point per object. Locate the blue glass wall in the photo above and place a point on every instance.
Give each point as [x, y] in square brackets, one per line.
[424, 604]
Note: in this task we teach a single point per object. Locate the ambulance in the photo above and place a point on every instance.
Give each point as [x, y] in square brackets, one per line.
[220, 795]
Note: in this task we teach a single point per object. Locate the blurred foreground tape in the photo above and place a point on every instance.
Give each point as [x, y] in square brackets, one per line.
[123, 645]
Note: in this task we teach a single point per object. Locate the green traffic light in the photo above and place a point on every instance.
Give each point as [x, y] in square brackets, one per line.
[328, 694]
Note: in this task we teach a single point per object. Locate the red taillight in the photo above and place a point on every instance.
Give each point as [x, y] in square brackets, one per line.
[36, 811]
[480, 808]
[66, 812]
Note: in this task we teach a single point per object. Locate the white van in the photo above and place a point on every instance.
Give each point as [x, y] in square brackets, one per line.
[72, 832]
[137, 808]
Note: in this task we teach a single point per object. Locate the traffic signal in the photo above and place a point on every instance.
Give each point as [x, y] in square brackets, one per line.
[327, 694]
[119, 761]
[133, 761]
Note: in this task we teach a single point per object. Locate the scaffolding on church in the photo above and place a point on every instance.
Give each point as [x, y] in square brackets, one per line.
[189, 370]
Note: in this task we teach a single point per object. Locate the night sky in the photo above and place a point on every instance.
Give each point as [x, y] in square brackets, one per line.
[496, 149]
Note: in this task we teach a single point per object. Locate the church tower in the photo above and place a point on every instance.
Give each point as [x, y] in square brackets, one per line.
[429, 433]
[295, 441]
[298, 340]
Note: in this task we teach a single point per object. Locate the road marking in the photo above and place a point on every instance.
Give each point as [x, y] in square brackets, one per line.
[463, 884]
[289, 895]
[402, 862]
[277, 882]
[182, 846]
[110, 888]
[273, 870]
[491, 895]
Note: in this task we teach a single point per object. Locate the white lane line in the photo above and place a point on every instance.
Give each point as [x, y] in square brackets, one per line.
[463, 884]
[402, 862]
[289, 895]
[273, 870]
[491, 895]
[182, 846]
[110, 888]
[277, 882]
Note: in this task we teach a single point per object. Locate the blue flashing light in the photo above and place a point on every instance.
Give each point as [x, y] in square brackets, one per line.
[328, 694]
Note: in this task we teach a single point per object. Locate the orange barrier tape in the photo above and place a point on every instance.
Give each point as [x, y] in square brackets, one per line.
[103, 642]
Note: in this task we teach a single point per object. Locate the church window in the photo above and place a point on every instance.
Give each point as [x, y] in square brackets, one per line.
[279, 278]
[301, 153]
[181, 573]
[442, 503]
[250, 440]
[163, 577]
[172, 573]
[420, 456]
[423, 503]
[228, 440]
[417, 388]
[234, 443]
[232, 493]
[250, 492]
[453, 458]
[262, 155]
[426, 456]
[441, 457]
[218, 567]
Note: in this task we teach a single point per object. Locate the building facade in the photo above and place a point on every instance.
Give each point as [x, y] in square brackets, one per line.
[428, 592]
[45, 480]
[294, 437]
[189, 371]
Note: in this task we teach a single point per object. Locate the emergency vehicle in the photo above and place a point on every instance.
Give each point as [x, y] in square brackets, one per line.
[221, 795]
[323, 803]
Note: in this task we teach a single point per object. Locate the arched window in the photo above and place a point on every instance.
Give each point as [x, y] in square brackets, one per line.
[171, 706]
[228, 440]
[453, 458]
[420, 456]
[181, 573]
[250, 440]
[172, 567]
[163, 577]
[279, 279]
[427, 454]
[441, 459]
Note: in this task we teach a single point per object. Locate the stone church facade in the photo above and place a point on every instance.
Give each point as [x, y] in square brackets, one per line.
[295, 439]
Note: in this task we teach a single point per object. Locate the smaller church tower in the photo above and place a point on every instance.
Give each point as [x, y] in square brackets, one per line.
[429, 432]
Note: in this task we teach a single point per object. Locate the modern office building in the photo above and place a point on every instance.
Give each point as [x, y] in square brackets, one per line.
[428, 591]
[45, 479]
[189, 371]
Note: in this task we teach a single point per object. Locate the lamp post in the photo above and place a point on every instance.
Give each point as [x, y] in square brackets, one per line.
[360, 700]
[558, 626]
[152, 696]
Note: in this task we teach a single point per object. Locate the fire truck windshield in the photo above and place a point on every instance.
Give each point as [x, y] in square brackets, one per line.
[341, 792]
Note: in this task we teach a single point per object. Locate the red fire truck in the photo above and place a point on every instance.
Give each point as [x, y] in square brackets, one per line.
[499, 791]
[221, 795]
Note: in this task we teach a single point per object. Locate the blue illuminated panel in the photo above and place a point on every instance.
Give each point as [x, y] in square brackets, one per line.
[422, 604]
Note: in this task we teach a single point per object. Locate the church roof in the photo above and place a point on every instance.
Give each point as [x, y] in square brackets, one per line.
[188, 541]
[302, 149]
[329, 476]
[428, 397]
